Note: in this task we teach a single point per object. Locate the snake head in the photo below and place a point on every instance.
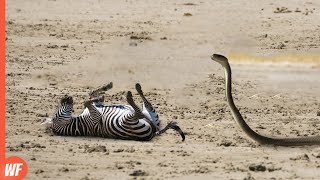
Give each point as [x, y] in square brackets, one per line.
[220, 59]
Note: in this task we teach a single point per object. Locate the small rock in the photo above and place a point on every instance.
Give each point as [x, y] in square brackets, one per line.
[282, 10]
[317, 155]
[138, 173]
[226, 143]
[85, 178]
[135, 37]
[281, 46]
[133, 44]
[202, 170]
[64, 46]
[259, 167]
[96, 149]
[297, 10]
[118, 150]
[52, 46]
[64, 169]
[189, 4]
[37, 145]
[271, 169]
[39, 171]
[301, 157]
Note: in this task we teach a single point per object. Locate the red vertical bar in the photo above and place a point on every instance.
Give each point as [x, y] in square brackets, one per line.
[2, 82]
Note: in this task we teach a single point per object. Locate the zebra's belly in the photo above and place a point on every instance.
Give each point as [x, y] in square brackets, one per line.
[119, 128]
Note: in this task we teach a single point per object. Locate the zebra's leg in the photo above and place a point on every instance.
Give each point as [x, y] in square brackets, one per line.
[94, 112]
[172, 125]
[148, 109]
[137, 114]
[100, 90]
[145, 101]
[131, 121]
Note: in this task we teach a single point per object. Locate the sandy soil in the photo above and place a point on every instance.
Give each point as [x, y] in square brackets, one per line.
[59, 47]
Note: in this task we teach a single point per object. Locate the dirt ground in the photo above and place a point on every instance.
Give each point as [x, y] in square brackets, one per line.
[58, 47]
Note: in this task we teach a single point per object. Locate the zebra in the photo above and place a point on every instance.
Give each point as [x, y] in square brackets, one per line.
[118, 121]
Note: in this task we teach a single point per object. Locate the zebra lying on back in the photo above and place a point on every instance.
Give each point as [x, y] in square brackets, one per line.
[112, 121]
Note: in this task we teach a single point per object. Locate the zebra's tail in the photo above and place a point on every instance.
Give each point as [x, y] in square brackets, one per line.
[172, 125]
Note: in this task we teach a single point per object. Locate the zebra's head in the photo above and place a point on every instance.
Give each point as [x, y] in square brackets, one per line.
[62, 115]
[66, 105]
[66, 101]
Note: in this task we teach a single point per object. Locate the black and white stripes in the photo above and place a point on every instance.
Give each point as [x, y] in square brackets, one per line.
[113, 121]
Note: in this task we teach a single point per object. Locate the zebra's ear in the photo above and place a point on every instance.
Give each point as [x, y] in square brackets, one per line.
[66, 99]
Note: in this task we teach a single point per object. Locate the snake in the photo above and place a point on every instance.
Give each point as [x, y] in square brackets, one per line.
[261, 139]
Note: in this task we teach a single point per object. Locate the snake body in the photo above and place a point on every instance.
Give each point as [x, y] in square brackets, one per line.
[298, 141]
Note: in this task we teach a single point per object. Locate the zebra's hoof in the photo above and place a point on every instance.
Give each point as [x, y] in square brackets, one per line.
[138, 87]
[108, 86]
[129, 95]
